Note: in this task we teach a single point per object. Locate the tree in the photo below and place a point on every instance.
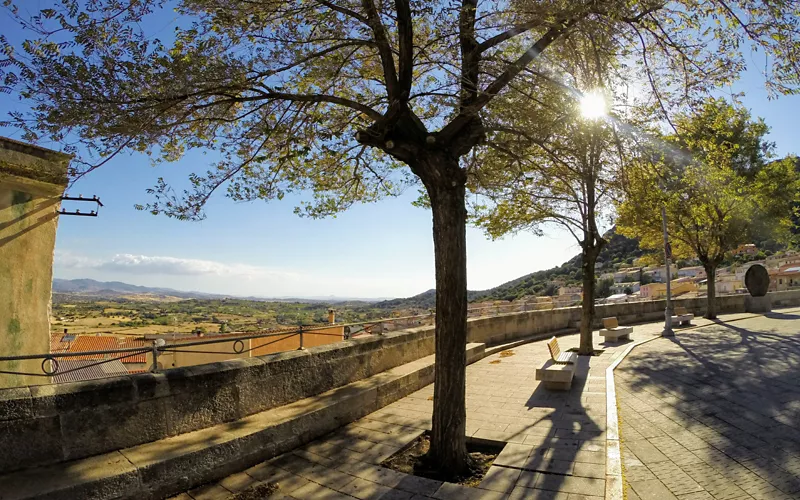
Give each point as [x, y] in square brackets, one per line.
[337, 96]
[628, 290]
[713, 179]
[603, 289]
[554, 166]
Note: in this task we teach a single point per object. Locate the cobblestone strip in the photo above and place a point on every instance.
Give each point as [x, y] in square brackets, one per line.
[614, 480]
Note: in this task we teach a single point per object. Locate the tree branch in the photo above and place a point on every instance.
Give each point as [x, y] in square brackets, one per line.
[405, 35]
[384, 49]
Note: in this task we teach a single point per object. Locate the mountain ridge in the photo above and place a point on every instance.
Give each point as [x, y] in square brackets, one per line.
[619, 249]
[87, 287]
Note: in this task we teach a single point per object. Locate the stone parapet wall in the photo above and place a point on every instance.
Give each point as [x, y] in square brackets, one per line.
[48, 424]
[54, 423]
[507, 327]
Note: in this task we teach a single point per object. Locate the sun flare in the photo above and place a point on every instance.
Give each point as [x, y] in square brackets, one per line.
[593, 105]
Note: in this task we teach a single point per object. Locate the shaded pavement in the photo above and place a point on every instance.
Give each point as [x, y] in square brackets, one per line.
[715, 412]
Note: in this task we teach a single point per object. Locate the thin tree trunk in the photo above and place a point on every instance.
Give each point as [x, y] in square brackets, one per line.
[448, 450]
[589, 257]
[711, 299]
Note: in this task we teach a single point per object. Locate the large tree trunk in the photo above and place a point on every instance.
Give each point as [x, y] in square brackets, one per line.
[711, 299]
[589, 258]
[448, 450]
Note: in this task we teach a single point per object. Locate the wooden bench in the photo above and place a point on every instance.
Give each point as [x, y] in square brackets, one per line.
[612, 331]
[682, 316]
[558, 371]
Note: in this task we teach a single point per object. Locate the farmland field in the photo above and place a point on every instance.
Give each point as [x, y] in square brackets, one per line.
[138, 315]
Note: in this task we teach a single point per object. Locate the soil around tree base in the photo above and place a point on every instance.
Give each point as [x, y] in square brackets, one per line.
[414, 460]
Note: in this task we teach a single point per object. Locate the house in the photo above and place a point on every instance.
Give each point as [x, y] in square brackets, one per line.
[778, 261]
[659, 273]
[746, 249]
[653, 291]
[678, 287]
[617, 288]
[566, 300]
[570, 290]
[692, 272]
[785, 278]
[626, 273]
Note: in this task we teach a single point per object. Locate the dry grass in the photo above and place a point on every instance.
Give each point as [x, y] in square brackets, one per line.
[507, 353]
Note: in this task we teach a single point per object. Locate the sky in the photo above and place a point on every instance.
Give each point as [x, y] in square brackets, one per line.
[263, 249]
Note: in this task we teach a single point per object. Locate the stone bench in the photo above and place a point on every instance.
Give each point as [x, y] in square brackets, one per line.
[558, 372]
[612, 331]
[682, 316]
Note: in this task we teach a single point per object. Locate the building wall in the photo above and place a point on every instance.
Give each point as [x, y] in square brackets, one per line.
[28, 219]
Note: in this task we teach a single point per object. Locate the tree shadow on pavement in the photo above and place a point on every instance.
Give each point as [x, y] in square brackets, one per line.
[736, 385]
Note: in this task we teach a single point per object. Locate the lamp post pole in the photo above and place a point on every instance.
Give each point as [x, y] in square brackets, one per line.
[667, 261]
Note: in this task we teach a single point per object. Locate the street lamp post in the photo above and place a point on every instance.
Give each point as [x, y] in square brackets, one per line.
[667, 261]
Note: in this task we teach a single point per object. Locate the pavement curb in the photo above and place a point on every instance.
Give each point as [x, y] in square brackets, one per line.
[614, 481]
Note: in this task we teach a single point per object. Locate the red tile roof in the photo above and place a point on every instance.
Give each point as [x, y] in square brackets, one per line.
[56, 344]
[136, 358]
[93, 343]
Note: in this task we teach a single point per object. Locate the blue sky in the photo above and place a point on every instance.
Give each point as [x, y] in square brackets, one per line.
[379, 250]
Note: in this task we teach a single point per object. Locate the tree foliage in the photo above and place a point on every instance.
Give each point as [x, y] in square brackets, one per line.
[332, 97]
[715, 181]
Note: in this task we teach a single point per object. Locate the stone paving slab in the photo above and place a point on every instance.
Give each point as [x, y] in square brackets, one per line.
[714, 413]
[554, 440]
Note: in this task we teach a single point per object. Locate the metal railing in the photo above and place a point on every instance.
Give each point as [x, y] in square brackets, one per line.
[51, 368]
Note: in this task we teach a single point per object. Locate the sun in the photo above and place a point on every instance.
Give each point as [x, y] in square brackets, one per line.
[593, 105]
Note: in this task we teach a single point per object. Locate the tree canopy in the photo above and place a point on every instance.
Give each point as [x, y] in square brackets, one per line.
[718, 187]
[332, 97]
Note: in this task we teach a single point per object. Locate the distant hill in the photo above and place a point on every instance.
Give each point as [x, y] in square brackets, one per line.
[117, 288]
[93, 289]
[620, 250]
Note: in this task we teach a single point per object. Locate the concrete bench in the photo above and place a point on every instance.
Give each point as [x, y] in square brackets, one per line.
[682, 316]
[558, 371]
[612, 331]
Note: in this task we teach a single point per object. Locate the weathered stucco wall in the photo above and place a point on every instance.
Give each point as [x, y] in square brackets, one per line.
[31, 182]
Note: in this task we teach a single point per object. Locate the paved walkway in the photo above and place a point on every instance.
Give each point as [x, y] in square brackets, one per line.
[711, 414]
[714, 413]
[556, 440]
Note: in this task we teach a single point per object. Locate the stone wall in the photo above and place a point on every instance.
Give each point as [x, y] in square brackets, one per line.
[506, 327]
[53, 423]
[32, 180]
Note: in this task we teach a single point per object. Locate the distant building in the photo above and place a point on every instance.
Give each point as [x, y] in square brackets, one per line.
[678, 287]
[778, 261]
[626, 274]
[692, 272]
[785, 278]
[746, 249]
[653, 291]
[570, 290]
[619, 288]
[566, 300]
[659, 273]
